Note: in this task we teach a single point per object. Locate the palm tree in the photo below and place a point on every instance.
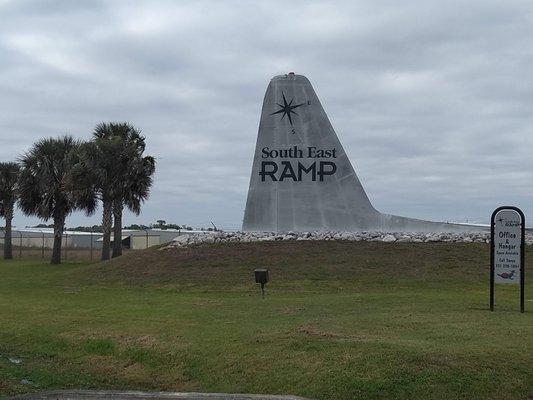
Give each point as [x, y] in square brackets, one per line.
[134, 173]
[97, 171]
[43, 185]
[134, 191]
[9, 175]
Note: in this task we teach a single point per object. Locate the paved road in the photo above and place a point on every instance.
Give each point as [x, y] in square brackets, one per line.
[115, 395]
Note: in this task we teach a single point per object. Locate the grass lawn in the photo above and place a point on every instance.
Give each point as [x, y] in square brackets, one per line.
[340, 321]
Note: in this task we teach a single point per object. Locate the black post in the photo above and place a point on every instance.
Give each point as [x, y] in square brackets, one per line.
[522, 266]
[491, 279]
[91, 244]
[20, 247]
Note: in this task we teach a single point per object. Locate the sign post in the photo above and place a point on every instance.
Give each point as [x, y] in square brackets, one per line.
[507, 250]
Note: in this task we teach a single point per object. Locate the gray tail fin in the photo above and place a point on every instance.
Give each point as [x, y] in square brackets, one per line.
[301, 177]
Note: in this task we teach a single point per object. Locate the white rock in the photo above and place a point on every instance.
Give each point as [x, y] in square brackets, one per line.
[388, 238]
[181, 239]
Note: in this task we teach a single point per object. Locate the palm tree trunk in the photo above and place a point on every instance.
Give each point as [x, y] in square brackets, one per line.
[8, 247]
[117, 228]
[106, 229]
[59, 226]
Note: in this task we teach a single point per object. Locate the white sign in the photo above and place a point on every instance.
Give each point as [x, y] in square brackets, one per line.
[507, 246]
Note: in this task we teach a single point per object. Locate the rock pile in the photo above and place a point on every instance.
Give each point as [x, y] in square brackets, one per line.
[392, 237]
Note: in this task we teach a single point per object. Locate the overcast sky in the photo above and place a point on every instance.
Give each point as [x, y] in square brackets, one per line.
[432, 100]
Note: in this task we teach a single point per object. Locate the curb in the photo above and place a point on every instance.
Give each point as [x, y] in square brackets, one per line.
[133, 395]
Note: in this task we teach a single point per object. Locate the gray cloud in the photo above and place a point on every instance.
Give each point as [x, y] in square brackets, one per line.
[431, 99]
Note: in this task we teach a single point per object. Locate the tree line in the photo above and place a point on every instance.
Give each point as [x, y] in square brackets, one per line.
[136, 227]
[57, 176]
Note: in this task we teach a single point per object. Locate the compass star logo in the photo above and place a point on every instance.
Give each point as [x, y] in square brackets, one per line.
[287, 108]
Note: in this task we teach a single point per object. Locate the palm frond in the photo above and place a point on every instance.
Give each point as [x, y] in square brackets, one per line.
[43, 185]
